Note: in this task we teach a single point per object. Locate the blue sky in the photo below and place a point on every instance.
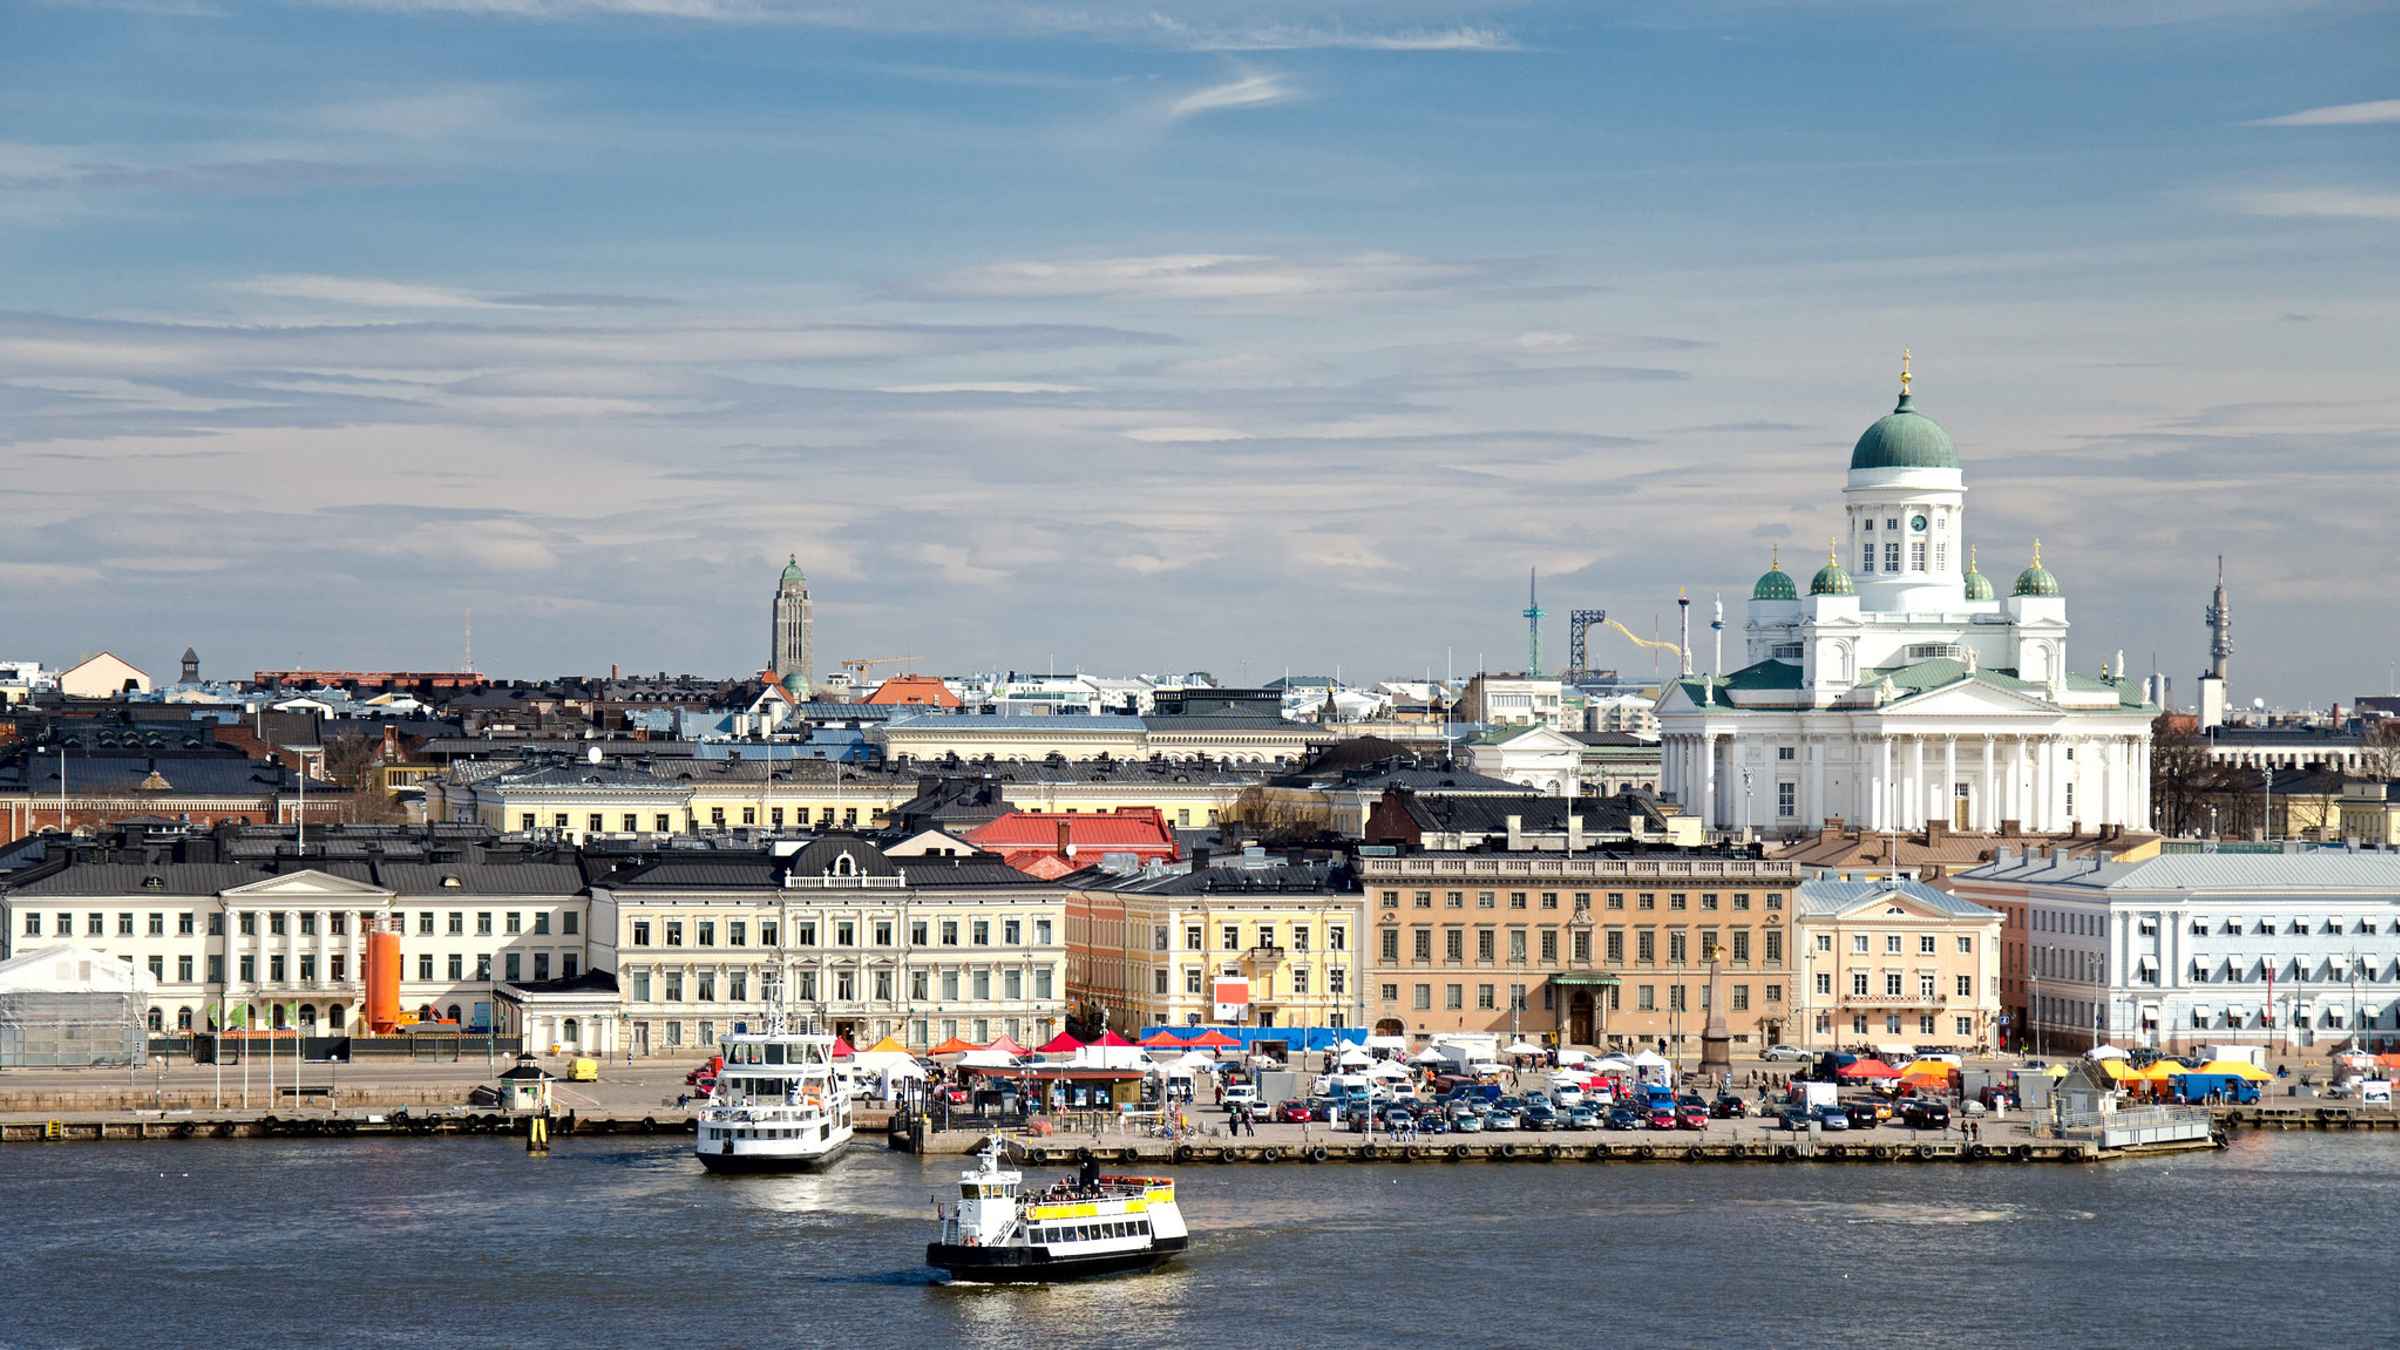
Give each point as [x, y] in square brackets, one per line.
[1240, 336]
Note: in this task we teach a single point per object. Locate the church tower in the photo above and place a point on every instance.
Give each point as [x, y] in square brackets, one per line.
[789, 656]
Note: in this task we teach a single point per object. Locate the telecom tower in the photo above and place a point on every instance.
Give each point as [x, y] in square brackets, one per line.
[2219, 616]
[1533, 624]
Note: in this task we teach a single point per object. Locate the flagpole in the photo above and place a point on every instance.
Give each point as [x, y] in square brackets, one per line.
[219, 1055]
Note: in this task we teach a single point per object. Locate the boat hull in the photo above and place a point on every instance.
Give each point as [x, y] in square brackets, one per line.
[1031, 1265]
[749, 1164]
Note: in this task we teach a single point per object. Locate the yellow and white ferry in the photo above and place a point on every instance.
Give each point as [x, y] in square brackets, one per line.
[1089, 1225]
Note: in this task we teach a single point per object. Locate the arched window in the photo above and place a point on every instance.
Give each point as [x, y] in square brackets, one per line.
[308, 1017]
[454, 1015]
[425, 1013]
[183, 1019]
[158, 1019]
[570, 1031]
[845, 866]
[334, 1020]
[280, 1013]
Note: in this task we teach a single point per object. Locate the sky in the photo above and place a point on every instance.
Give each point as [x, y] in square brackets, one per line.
[1189, 334]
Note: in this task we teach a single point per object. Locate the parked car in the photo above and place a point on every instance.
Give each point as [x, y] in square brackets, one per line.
[1433, 1122]
[1567, 1096]
[1797, 1118]
[1786, 1054]
[1501, 1118]
[1582, 1118]
[1691, 1117]
[1293, 1112]
[1833, 1118]
[1662, 1117]
[1539, 1116]
[1862, 1115]
[1623, 1117]
[1398, 1117]
[1925, 1114]
[1466, 1122]
[1728, 1107]
[1538, 1097]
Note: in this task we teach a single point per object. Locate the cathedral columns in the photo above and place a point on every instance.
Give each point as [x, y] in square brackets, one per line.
[1947, 805]
[1987, 801]
[2040, 814]
[1883, 788]
[1708, 781]
[1813, 783]
[1915, 815]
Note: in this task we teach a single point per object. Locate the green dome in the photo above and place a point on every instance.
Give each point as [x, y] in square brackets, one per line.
[2036, 580]
[1904, 439]
[1775, 585]
[796, 684]
[791, 570]
[1831, 579]
[1979, 586]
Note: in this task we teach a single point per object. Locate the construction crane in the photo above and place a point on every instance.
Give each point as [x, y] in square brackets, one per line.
[859, 667]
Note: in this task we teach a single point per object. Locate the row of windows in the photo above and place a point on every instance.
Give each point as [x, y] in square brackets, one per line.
[840, 932]
[1893, 981]
[706, 986]
[1195, 937]
[1676, 900]
[1894, 943]
[662, 822]
[1337, 980]
[1679, 947]
[304, 968]
[1964, 1027]
[280, 923]
[1645, 997]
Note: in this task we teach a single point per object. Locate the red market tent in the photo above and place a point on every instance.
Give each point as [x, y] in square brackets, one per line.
[1006, 1046]
[1112, 1038]
[1212, 1040]
[1164, 1040]
[954, 1046]
[1868, 1068]
[1060, 1044]
[842, 1049]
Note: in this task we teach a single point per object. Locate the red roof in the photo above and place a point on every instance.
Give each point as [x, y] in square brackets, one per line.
[1006, 1045]
[842, 1049]
[1112, 1038]
[1061, 1044]
[1040, 866]
[1022, 836]
[916, 690]
[1212, 1040]
[1163, 1040]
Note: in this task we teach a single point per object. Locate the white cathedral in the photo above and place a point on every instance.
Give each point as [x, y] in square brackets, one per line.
[1907, 692]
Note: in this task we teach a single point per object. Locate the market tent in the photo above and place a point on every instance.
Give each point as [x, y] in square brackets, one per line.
[2104, 1052]
[1163, 1040]
[1213, 1040]
[953, 1046]
[1573, 1056]
[988, 1058]
[1197, 1059]
[1929, 1069]
[1060, 1044]
[2389, 1061]
[1428, 1055]
[1521, 1048]
[1867, 1068]
[1891, 1050]
[1388, 1068]
[1353, 1057]
[1006, 1046]
[889, 1045]
[1113, 1039]
[1648, 1059]
[1395, 1044]
[842, 1048]
[2118, 1070]
[2237, 1068]
[1612, 1064]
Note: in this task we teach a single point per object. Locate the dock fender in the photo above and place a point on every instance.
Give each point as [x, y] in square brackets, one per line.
[1645, 1151]
[1458, 1153]
[1508, 1150]
[1552, 1153]
[649, 1125]
[1317, 1154]
[1273, 1155]
[1883, 1152]
[2024, 1153]
[1367, 1152]
[1411, 1153]
[1183, 1153]
[269, 1125]
[1924, 1153]
[1083, 1155]
[2218, 1140]
[1787, 1153]
[183, 1129]
[1978, 1152]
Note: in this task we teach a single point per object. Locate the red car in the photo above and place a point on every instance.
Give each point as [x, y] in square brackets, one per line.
[708, 1070]
[1293, 1112]
[1688, 1117]
[1661, 1118]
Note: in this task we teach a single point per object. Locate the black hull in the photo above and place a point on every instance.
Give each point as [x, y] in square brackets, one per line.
[757, 1164]
[1029, 1265]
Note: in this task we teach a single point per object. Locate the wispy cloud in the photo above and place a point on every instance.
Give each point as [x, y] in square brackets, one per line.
[431, 115]
[1251, 91]
[365, 292]
[2336, 115]
[2321, 204]
[1282, 38]
[1195, 276]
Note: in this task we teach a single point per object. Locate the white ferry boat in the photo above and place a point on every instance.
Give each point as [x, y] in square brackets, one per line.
[1091, 1225]
[777, 1106]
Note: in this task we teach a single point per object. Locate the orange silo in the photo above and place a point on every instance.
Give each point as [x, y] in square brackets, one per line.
[383, 981]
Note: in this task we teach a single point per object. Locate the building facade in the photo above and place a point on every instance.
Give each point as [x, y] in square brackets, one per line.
[2295, 951]
[1248, 942]
[862, 945]
[1908, 691]
[1598, 949]
[1887, 962]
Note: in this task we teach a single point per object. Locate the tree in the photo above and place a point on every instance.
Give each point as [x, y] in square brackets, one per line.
[2180, 775]
[350, 762]
[2379, 755]
[1278, 817]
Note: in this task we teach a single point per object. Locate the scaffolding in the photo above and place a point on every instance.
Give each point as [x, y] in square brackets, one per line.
[49, 1030]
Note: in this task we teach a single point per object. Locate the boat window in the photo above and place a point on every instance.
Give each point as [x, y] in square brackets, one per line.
[774, 1054]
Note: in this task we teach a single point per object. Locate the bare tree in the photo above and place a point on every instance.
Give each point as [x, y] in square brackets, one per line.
[2180, 777]
[351, 762]
[2379, 756]
[1278, 818]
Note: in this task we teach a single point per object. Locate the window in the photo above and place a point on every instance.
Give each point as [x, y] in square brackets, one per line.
[1891, 556]
[1858, 984]
[1616, 946]
[1916, 563]
[1649, 900]
[1925, 988]
[1454, 899]
[1454, 945]
[183, 924]
[707, 933]
[949, 932]
[1645, 947]
[1422, 1001]
[570, 923]
[1824, 985]
[674, 932]
[1741, 946]
[1582, 948]
[1891, 984]
[183, 969]
[1487, 900]
[33, 925]
[1158, 981]
[1424, 900]
[1866, 556]
[980, 930]
[1741, 997]
[1484, 942]
[1966, 946]
[1966, 1028]
[1299, 979]
[424, 967]
[276, 925]
[1787, 799]
[1337, 938]
[1549, 946]
[641, 932]
[1966, 986]
[1424, 944]
[1391, 945]
[1708, 900]
[1678, 900]
[1616, 899]
[1645, 998]
[1891, 944]
[1233, 938]
[513, 968]
[1516, 945]
[1192, 940]
[1453, 996]
[1191, 979]
[1484, 996]
[458, 966]
[1924, 944]
[1678, 947]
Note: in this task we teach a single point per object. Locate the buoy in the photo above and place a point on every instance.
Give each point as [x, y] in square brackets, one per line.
[537, 1137]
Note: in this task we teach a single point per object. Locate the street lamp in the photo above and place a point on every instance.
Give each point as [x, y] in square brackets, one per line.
[303, 751]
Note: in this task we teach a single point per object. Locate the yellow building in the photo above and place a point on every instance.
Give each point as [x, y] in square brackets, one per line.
[1885, 962]
[575, 801]
[1250, 944]
[2371, 813]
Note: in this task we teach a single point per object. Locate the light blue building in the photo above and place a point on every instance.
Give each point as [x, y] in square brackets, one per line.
[2298, 951]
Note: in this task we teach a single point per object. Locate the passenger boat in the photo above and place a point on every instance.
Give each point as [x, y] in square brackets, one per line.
[1071, 1229]
[777, 1106]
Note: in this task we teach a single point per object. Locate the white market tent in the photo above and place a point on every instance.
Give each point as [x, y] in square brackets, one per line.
[2100, 1052]
[988, 1059]
[1396, 1044]
[1654, 1068]
[1612, 1064]
[1521, 1048]
[1354, 1056]
[1388, 1068]
[1428, 1055]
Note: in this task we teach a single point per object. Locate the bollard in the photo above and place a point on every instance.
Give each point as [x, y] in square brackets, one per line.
[537, 1137]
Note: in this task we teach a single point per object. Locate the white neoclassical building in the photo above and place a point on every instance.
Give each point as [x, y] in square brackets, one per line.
[1907, 692]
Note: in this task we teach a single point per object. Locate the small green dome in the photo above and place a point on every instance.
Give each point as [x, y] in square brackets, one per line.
[1831, 579]
[1775, 585]
[1904, 439]
[791, 570]
[1979, 586]
[2036, 580]
[796, 684]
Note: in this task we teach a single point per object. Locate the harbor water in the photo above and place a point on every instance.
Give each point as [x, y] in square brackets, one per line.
[618, 1242]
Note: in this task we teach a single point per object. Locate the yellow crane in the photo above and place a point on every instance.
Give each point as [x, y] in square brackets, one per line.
[858, 667]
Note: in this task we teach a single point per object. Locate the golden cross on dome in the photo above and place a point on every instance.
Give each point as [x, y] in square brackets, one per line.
[2037, 552]
[1904, 372]
[1830, 544]
[1774, 557]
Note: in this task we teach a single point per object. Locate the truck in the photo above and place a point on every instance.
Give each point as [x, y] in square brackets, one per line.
[2226, 1087]
[2253, 1055]
[1468, 1053]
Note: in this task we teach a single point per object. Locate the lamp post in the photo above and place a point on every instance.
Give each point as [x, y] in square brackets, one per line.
[303, 751]
[2266, 803]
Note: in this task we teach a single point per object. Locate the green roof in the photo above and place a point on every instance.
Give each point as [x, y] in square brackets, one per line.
[1769, 675]
[1777, 584]
[1904, 439]
[1979, 586]
[2037, 580]
[1832, 580]
[791, 570]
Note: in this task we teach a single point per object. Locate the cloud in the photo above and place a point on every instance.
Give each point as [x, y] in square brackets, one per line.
[2336, 115]
[368, 292]
[2321, 204]
[1184, 435]
[432, 115]
[1283, 38]
[1251, 91]
[1194, 276]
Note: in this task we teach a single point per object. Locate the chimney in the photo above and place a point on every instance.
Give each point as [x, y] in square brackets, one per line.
[1516, 833]
[1200, 854]
[1934, 831]
[1064, 846]
[2009, 829]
